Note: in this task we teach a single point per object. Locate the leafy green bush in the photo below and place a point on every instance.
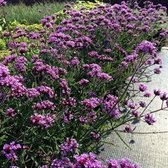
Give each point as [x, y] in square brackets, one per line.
[30, 14]
[2, 44]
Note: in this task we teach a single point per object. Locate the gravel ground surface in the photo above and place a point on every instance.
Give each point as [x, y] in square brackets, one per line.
[149, 150]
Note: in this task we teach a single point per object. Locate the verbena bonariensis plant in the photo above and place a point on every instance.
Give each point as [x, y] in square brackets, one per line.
[66, 87]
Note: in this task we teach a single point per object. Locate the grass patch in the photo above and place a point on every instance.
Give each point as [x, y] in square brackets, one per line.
[30, 14]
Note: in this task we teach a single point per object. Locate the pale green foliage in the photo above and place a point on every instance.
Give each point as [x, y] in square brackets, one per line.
[30, 14]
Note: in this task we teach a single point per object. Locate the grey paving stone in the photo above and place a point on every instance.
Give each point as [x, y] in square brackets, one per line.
[150, 150]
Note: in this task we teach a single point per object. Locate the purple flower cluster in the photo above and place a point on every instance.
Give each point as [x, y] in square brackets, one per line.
[70, 145]
[20, 64]
[4, 71]
[10, 112]
[9, 59]
[90, 118]
[32, 93]
[46, 90]
[16, 87]
[147, 48]
[123, 163]
[65, 162]
[110, 106]
[89, 160]
[142, 87]
[44, 105]
[83, 82]
[149, 119]
[96, 71]
[91, 102]
[44, 121]
[68, 116]
[75, 61]
[71, 102]
[2, 2]
[94, 54]
[64, 86]
[9, 150]
[52, 71]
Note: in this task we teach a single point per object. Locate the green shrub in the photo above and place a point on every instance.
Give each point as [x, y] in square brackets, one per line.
[30, 14]
[2, 44]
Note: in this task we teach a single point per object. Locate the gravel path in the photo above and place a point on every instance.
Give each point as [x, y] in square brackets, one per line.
[150, 150]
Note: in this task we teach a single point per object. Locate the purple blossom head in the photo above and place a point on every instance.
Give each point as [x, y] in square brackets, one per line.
[125, 163]
[4, 71]
[39, 65]
[95, 69]
[87, 160]
[163, 96]
[124, 64]
[104, 76]
[91, 102]
[135, 113]
[16, 87]
[71, 102]
[44, 121]
[149, 62]
[95, 135]
[147, 48]
[9, 150]
[46, 104]
[149, 119]
[8, 59]
[115, 113]
[3, 2]
[158, 60]
[53, 72]
[147, 94]
[142, 104]
[64, 85]
[83, 82]
[157, 71]
[110, 106]
[46, 90]
[93, 54]
[108, 50]
[75, 61]
[65, 162]
[157, 92]
[70, 145]
[142, 87]
[131, 105]
[113, 163]
[32, 93]
[131, 58]
[70, 44]
[23, 50]
[10, 112]
[128, 129]
[68, 116]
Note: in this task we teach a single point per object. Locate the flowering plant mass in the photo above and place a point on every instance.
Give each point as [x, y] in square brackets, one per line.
[66, 87]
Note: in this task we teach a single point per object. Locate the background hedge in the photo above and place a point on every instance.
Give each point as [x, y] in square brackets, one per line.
[31, 2]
